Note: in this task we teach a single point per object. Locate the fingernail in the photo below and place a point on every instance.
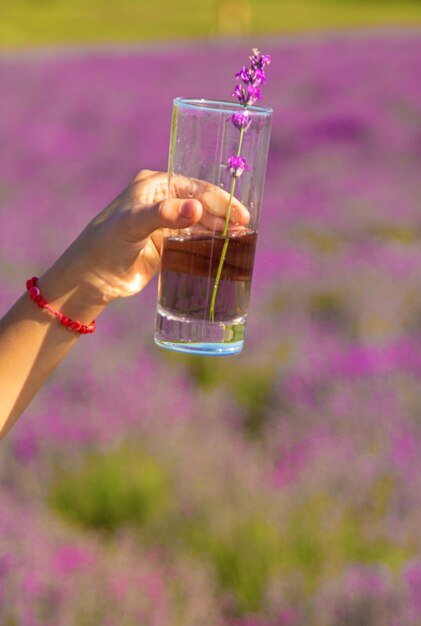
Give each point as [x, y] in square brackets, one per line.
[187, 209]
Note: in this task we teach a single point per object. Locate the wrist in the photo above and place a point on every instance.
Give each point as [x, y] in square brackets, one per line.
[68, 287]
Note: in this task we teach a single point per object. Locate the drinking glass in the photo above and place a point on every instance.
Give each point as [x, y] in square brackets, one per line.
[206, 270]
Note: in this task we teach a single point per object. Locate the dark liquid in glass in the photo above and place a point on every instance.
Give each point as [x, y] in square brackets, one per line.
[188, 271]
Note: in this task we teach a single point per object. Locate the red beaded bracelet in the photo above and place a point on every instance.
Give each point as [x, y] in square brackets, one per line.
[35, 295]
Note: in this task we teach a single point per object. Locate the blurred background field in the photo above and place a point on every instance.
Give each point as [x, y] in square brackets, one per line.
[277, 488]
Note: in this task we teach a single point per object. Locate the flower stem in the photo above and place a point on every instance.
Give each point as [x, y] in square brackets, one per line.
[223, 253]
[240, 143]
[226, 239]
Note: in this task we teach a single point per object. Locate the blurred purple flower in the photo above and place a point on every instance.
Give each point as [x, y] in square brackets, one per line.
[4, 563]
[69, 559]
[33, 584]
[289, 466]
[413, 581]
[404, 451]
[25, 444]
[360, 580]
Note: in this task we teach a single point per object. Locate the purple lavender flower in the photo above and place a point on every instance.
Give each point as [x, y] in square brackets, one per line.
[245, 75]
[249, 92]
[259, 77]
[253, 94]
[248, 95]
[258, 61]
[236, 166]
[241, 120]
[240, 94]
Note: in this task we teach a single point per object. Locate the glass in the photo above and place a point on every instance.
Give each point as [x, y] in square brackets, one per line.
[206, 270]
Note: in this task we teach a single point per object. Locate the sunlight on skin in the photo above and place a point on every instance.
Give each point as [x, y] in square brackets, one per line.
[27, 321]
[147, 199]
[116, 255]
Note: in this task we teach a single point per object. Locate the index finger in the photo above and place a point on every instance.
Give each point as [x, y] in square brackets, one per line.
[213, 199]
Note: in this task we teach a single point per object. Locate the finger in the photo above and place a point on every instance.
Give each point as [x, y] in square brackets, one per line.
[217, 202]
[212, 222]
[173, 213]
[178, 213]
[214, 199]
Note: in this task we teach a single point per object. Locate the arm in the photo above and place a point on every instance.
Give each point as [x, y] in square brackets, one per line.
[115, 256]
[33, 342]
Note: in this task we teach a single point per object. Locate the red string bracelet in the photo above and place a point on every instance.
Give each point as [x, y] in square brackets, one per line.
[35, 295]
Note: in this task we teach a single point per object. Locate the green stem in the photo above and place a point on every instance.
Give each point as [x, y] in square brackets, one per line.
[223, 253]
[240, 143]
[226, 239]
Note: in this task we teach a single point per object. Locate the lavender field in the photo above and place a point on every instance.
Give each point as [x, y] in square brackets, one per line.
[281, 487]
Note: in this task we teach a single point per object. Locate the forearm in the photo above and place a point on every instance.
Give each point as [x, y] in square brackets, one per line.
[33, 342]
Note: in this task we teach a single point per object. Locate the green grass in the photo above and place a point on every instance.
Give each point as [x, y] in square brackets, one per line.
[51, 22]
[108, 491]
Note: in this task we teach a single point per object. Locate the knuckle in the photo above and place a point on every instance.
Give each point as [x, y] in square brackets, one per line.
[143, 174]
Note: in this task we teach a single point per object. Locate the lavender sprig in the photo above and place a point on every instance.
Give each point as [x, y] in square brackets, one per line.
[247, 94]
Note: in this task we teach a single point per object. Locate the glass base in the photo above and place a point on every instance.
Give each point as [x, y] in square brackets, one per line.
[195, 336]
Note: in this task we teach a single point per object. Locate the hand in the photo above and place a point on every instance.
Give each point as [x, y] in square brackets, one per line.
[116, 255]
[119, 251]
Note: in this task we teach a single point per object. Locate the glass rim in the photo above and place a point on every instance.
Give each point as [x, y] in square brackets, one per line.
[221, 106]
